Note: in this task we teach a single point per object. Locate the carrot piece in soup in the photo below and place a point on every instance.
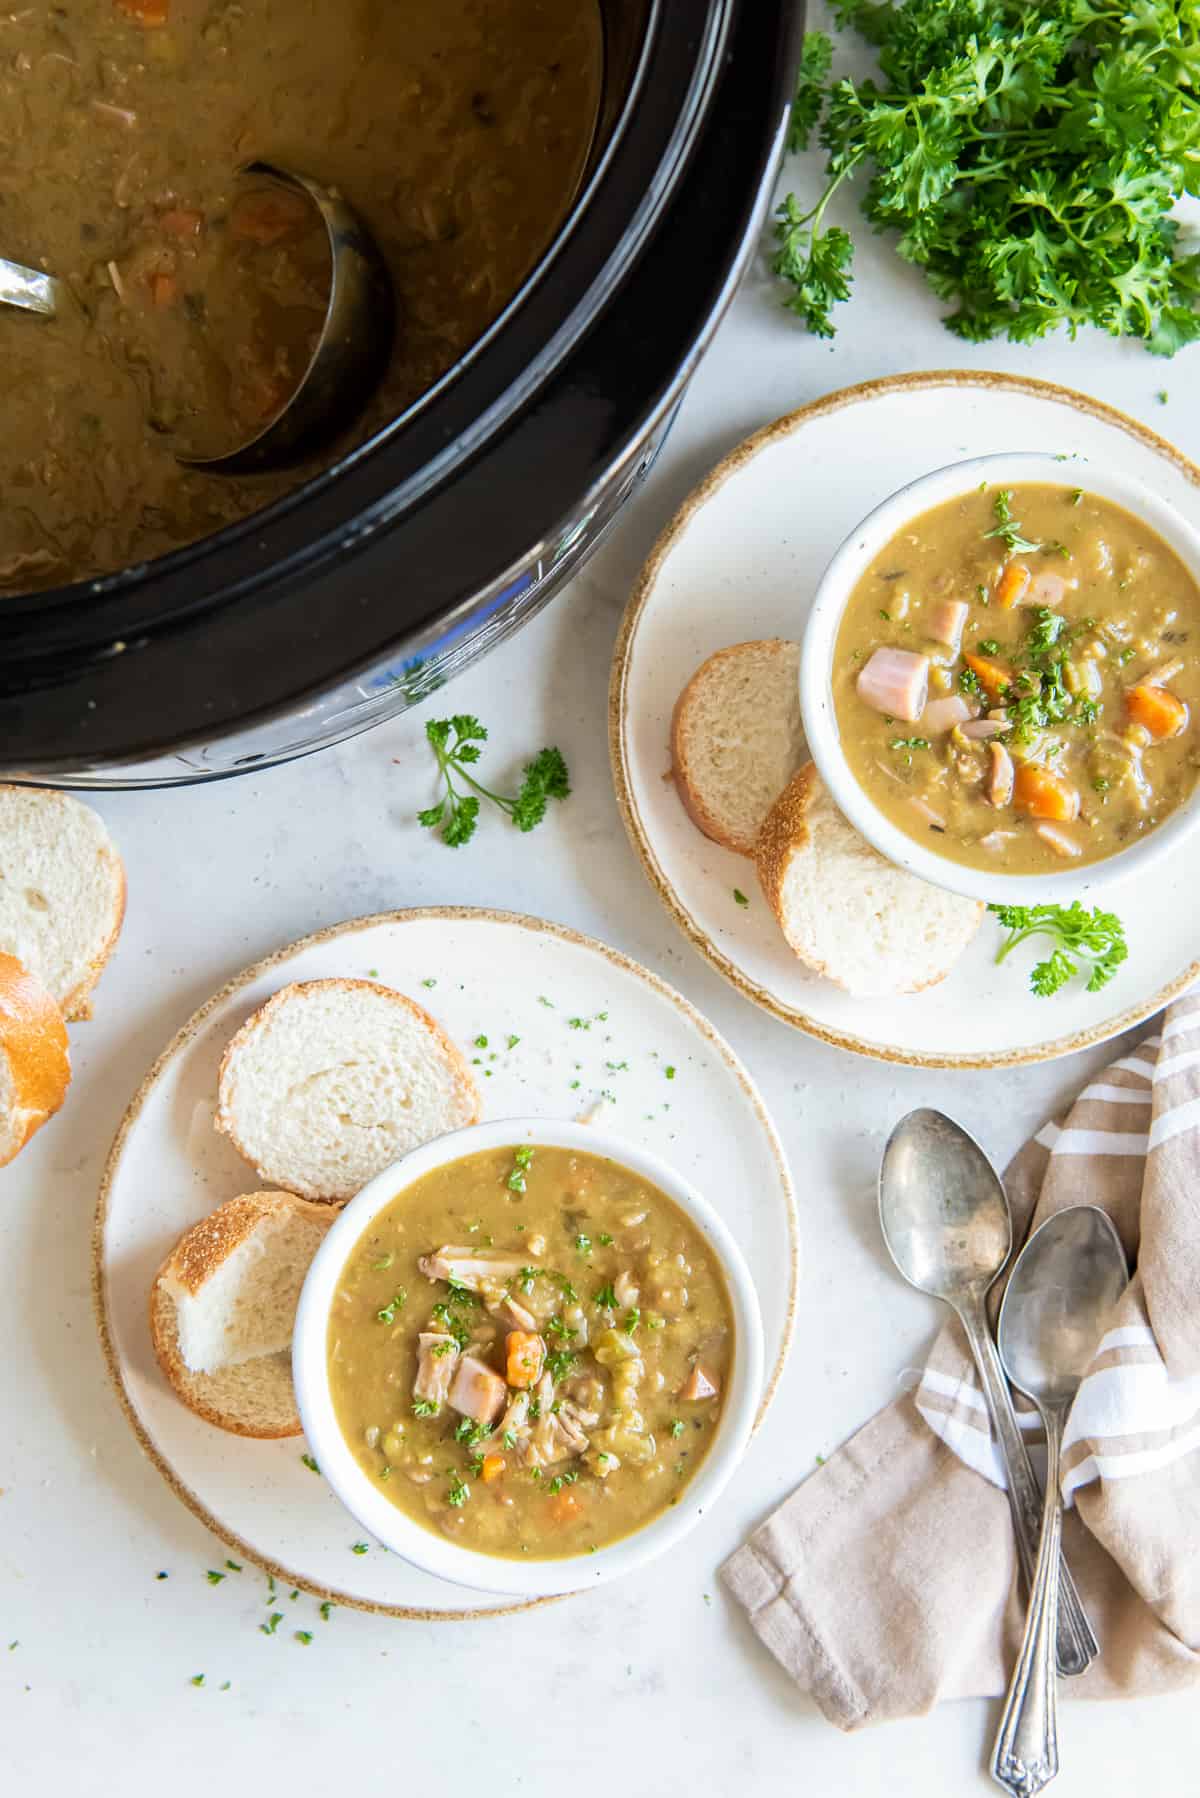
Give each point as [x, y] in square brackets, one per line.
[1159, 710]
[565, 1508]
[1043, 794]
[492, 1469]
[993, 677]
[163, 289]
[150, 13]
[524, 1357]
[1010, 589]
[181, 222]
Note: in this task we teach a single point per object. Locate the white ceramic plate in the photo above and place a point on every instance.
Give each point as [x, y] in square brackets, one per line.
[742, 559]
[594, 1029]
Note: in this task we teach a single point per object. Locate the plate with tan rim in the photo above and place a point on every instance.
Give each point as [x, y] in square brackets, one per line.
[742, 559]
[554, 1024]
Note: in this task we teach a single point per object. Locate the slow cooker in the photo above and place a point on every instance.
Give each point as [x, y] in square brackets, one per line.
[370, 586]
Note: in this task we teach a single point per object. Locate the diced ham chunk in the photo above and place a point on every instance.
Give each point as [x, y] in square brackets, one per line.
[700, 1384]
[947, 620]
[895, 682]
[1000, 776]
[943, 714]
[475, 1269]
[980, 729]
[437, 1357]
[514, 1423]
[476, 1392]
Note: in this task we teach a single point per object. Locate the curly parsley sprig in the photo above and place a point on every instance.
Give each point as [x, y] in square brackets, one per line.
[1029, 159]
[1094, 938]
[456, 744]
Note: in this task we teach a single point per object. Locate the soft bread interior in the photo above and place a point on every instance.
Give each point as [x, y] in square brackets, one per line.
[246, 1307]
[737, 738]
[61, 890]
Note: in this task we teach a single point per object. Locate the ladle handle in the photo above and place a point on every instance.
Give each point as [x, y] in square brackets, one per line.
[1025, 1757]
[1076, 1646]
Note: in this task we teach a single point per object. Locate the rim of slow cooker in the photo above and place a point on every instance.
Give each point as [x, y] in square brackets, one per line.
[368, 489]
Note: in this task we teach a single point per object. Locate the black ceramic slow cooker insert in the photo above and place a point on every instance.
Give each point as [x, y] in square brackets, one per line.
[367, 587]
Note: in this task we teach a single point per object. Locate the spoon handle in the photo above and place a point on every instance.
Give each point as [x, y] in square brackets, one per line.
[28, 289]
[1025, 1757]
[1076, 1646]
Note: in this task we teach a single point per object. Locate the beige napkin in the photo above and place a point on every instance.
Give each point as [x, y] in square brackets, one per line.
[888, 1580]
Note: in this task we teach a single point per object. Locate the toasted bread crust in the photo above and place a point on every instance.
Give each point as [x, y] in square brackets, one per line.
[33, 1041]
[784, 831]
[201, 1250]
[224, 1121]
[197, 1255]
[686, 784]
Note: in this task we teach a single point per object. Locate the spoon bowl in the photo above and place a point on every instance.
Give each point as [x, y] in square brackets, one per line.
[1069, 1276]
[943, 1210]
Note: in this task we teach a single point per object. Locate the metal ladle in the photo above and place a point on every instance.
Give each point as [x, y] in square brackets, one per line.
[947, 1227]
[351, 352]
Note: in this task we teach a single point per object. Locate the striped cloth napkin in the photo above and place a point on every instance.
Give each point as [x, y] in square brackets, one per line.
[888, 1581]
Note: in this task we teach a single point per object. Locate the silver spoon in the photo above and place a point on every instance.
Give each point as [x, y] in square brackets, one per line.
[351, 352]
[29, 290]
[1060, 1294]
[947, 1227]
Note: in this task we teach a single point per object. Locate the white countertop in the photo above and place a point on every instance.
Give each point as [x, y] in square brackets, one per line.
[645, 1688]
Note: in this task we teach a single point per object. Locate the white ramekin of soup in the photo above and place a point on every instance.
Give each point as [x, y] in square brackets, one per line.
[528, 1357]
[1001, 676]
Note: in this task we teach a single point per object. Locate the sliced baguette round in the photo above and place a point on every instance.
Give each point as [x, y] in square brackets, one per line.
[332, 1080]
[223, 1306]
[62, 892]
[736, 739]
[35, 1062]
[848, 912]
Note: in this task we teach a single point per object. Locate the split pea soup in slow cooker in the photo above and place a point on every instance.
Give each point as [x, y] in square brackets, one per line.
[528, 1351]
[1016, 679]
[457, 129]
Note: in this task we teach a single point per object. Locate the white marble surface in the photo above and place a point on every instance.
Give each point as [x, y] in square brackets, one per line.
[650, 1687]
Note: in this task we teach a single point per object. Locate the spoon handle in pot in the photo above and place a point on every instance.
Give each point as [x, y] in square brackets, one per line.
[1076, 1646]
[1025, 1757]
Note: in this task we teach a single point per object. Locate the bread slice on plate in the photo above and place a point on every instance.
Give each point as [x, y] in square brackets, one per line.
[847, 911]
[223, 1306]
[62, 892]
[736, 738]
[35, 1063]
[332, 1080]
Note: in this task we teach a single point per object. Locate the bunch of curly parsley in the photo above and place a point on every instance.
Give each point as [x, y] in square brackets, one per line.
[1028, 155]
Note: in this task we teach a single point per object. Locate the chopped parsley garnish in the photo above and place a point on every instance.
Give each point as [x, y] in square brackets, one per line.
[481, 1042]
[471, 1433]
[1006, 527]
[422, 1407]
[456, 745]
[909, 743]
[509, 1439]
[604, 1239]
[1094, 938]
[633, 1318]
[442, 1348]
[606, 1298]
[236, 1566]
[739, 898]
[561, 1363]
[359, 1548]
[670, 1073]
[326, 1609]
[562, 1479]
[677, 1427]
[556, 1327]
[396, 1303]
[535, 1409]
[453, 1326]
[384, 1262]
[458, 1492]
[522, 1159]
[969, 682]
[272, 1624]
[513, 1041]
[566, 1288]
[583, 1244]
[213, 1577]
[197, 1679]
[989, 647]
[303, 1635]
